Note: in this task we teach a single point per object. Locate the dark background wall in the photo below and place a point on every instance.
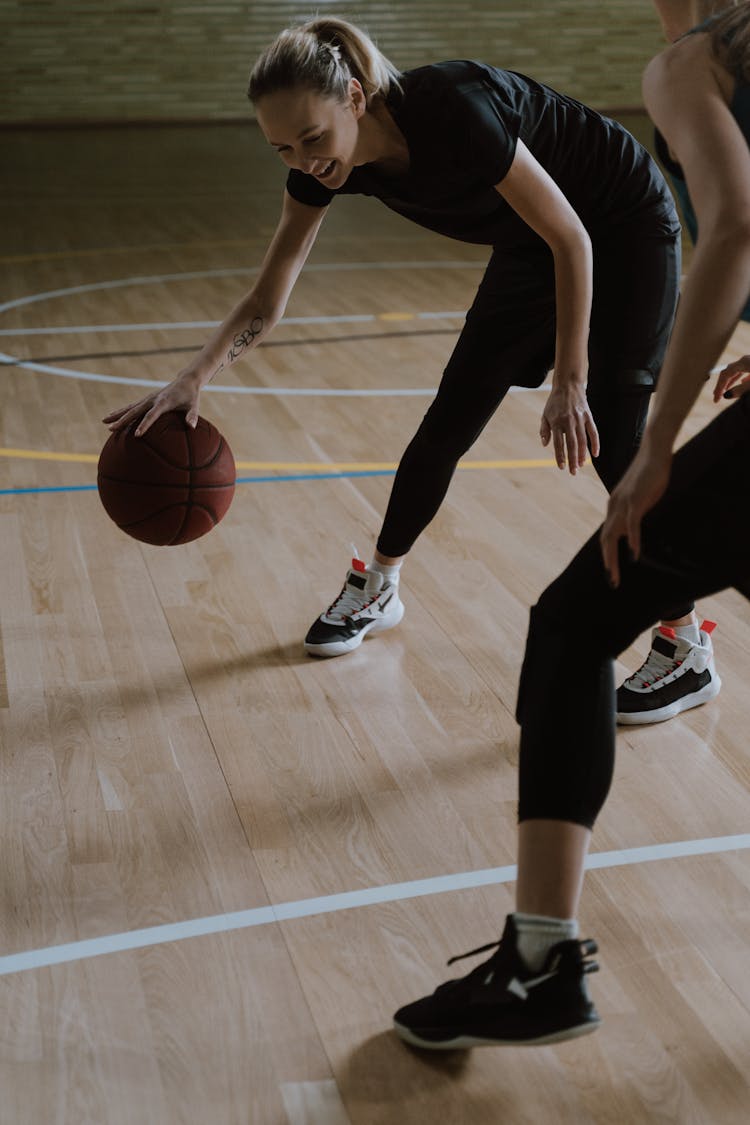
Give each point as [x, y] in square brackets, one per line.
[125, 60]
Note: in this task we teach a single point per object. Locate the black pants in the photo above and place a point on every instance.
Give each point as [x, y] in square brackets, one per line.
[509, 339]
[695, 542]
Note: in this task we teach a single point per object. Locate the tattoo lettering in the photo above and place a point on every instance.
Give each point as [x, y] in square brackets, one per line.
[243, 340]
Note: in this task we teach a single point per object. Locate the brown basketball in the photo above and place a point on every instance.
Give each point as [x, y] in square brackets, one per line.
[169, 486]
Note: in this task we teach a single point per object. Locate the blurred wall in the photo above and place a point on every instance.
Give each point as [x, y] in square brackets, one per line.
[140, 60]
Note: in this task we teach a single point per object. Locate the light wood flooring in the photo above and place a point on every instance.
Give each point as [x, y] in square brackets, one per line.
[169, 753]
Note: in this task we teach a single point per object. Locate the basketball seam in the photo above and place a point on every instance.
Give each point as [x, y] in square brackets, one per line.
[188, 510]
[160, 512]
[189, 504]
[159, 484]
[190, 465]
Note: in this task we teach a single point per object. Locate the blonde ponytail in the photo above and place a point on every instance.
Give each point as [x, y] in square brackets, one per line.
[323, 55]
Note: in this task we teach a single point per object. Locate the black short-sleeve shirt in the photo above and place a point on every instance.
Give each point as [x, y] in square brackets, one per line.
[462, 121]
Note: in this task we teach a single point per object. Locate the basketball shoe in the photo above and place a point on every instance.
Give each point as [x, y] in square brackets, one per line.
[676, 675]
[368, 603]
[502, 1002]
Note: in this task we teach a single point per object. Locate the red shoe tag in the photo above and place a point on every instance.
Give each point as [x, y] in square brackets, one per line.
[358, 564]
[708, 626]
[668, 631]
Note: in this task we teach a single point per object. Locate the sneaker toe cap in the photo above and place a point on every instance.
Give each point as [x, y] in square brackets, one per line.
[322, 633]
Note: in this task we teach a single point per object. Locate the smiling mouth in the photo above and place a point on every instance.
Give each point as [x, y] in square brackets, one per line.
[326, 171]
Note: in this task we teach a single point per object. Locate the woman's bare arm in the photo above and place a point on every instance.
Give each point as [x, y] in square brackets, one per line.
[686, 103]
[683, 92]
[538, 200]
[246, 325]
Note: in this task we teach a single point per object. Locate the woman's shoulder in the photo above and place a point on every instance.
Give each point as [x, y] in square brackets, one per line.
[687, 66]
[450, 75]
[455, 90]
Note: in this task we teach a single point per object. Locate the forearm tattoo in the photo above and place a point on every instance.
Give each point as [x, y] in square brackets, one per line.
[242, 341]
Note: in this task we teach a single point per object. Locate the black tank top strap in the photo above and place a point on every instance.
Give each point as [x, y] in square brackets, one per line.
[662, 151]
[705, 26]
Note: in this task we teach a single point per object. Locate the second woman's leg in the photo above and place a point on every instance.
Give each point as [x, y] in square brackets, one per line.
[567, 738]
[634, 301]
[533, 989]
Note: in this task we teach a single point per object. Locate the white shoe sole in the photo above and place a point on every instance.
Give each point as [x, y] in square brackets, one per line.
[462, 1042]
[339, 648]
[643, 718]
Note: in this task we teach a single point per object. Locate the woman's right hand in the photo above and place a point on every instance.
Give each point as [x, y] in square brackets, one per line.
[643, 484]
[733, 380]
[182, 393]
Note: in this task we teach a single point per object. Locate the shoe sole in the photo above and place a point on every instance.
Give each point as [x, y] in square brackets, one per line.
[696, 699]
[463, 1042]
[340, 648]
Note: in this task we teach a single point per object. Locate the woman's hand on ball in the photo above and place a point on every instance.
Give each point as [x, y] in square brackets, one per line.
[182, 393]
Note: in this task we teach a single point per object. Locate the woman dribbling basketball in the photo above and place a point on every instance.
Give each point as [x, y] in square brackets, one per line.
[559, 193]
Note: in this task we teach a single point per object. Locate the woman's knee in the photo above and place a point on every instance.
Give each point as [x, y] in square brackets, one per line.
[441, 436]
[620, 410]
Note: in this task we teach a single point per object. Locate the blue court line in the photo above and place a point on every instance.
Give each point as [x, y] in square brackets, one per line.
[240, 480]
[56, 488]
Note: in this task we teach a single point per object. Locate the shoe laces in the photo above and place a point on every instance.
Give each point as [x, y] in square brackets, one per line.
[587, 947]
[475, 952]
[655, 667]
[351, 600]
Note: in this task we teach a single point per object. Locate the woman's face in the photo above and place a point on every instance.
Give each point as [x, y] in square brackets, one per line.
[315, 134]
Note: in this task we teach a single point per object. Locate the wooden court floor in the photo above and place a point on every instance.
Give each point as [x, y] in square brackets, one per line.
[225, 864]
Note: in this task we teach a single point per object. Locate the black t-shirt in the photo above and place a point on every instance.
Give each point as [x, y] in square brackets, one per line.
[462, 121]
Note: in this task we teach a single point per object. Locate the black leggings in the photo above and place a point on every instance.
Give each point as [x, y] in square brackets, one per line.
[566, 699]
[509, 339]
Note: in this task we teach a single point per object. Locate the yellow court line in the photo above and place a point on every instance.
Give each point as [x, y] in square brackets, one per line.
[43, 455]
[287, 466]
[372, 466]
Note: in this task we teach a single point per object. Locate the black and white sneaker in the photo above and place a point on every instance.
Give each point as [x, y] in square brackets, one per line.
[503, 1003]
[676, 675]
[368, 603]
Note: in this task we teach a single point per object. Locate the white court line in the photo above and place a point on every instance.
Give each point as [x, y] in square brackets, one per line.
[249, 271]
[158, 279]
[354, 318]
[349, 900]
[224, 388]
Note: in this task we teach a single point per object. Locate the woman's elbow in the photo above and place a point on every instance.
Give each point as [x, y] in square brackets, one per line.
[730, 230]
[574, 240]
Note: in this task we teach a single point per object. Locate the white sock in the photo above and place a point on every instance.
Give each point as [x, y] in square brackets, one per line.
[537, 934]
[390, 573]
[690, 633]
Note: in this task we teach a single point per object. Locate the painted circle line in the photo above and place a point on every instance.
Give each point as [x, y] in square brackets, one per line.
[156, 279]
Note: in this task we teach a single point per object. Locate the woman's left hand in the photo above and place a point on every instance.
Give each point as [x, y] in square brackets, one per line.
[567, 419]
[642, 485]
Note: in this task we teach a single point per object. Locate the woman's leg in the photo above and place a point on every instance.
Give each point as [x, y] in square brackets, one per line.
[567, 749]
[508, 338]
[551, 857]
[634, 301]
[567, 745]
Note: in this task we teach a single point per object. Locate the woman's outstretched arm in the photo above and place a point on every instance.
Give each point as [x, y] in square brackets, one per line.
[683, 94]
[247, 324]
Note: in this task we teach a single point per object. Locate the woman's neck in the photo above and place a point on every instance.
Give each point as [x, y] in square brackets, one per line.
[383, 143]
